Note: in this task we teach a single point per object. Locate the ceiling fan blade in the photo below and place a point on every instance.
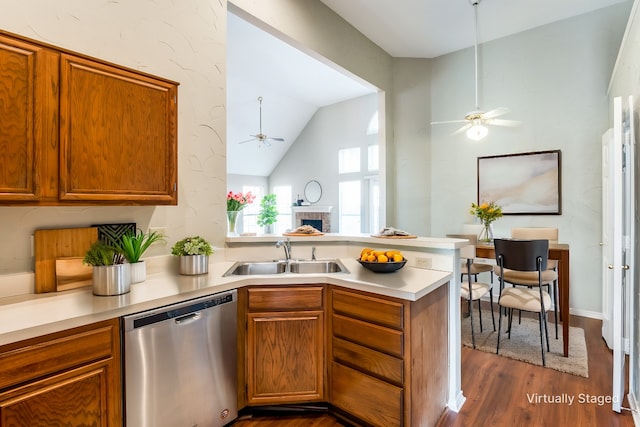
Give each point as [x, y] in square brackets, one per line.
[277, 139]
[496, 112]
[447, 121]
[462, 129]
[502, 122]
[248, 140]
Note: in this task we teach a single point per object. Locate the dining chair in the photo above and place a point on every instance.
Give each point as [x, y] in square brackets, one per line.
[476, 267]
[550, 234]
[527, 261]
[472, 290]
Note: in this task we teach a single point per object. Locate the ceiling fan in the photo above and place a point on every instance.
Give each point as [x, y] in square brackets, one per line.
[261, 137]
[476, 121]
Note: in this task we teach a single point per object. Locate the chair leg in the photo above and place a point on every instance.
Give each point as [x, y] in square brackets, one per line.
[510, 321]
[540, 318]
[546, 331]
[493, 318]
[480, 315]
[555, 304]
[473, 334]
[499, 328]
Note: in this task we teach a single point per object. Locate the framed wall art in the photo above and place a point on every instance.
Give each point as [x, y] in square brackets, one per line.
[522, 183]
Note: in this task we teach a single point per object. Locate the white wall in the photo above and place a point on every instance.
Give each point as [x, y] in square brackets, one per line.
[314, 155]
[554, 79]
[182, 41]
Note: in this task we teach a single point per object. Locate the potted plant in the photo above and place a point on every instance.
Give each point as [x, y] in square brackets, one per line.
[111, 276]
[132, 245]
[194, 255]
[268, 214]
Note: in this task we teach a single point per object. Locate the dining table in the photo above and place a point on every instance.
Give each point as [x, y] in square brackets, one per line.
[559, 252]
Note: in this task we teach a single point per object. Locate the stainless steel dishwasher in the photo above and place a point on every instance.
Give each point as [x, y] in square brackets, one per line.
[180, 364]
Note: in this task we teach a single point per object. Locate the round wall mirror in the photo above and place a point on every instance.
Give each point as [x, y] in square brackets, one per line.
[312, 191]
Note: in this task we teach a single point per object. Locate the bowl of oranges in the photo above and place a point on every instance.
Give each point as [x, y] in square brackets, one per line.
[381, 261]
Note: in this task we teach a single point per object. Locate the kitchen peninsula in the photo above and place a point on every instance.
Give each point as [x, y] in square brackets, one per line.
[415, 306]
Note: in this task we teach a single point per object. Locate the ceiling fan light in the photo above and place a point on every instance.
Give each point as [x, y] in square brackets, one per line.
[477, 132]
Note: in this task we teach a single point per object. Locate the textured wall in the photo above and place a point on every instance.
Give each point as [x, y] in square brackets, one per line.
[181, 40]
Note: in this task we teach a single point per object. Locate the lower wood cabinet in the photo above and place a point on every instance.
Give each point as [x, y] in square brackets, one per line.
[69, 378]
[386, 360]
[285, 333]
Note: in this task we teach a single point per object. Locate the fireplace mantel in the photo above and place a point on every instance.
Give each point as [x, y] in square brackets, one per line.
[313, 214]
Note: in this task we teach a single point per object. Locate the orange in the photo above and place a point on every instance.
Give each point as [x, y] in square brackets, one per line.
[371, 258]
[398, 258]
[382, 258]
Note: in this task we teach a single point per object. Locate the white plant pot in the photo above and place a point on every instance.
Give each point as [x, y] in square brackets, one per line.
[138, 272]
[111, 279]
[192, 265]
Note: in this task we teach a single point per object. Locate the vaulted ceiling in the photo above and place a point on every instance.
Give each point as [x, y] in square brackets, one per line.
[294, 85]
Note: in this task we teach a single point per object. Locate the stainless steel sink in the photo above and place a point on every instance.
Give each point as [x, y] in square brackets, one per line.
[319, 266]
[246, 268]
[242, 268]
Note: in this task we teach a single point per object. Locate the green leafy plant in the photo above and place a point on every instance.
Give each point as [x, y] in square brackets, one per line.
[192, 246]
[268, 213]
[134, 245]
[101, 253]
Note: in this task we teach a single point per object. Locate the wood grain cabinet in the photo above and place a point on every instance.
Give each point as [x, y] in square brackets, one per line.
[389, 358]
[28, 121]
[67, 378]
[78, 130]
[285, 333]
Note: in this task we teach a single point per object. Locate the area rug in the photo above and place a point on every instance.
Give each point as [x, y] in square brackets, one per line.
[524, 344]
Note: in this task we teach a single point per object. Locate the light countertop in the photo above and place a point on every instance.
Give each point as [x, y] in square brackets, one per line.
[31, 315]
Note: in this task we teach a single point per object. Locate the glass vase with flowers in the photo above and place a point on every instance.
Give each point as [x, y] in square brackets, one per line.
[486, 212]
[235, 203]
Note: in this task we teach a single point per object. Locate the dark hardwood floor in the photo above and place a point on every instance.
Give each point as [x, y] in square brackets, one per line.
[499, 390]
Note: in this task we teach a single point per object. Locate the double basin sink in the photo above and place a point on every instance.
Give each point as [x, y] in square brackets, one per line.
[246, 268]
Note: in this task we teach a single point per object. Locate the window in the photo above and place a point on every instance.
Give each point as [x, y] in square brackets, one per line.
[373, 162]
[283, 200]
[350, 206]
[249, 217]
[359, 192]
[349, 160]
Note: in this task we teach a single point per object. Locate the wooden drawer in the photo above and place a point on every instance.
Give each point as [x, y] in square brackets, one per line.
[35, 358]
[374, 401]
[372, 362]
[377, 337]
[286, 298]
[369, 308]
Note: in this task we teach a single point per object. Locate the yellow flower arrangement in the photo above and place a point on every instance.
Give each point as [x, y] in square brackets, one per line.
[487, 212]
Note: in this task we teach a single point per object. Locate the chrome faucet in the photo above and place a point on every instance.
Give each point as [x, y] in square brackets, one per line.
[286, 245]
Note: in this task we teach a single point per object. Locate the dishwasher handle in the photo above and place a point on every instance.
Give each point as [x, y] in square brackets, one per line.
[189, 318]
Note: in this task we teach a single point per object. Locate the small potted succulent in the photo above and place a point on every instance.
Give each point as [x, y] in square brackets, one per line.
[132, 246]
[111, 276]
[194, 255]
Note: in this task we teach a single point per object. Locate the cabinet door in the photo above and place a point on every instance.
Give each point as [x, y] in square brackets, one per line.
[28, 121]
[75, 398]
[285, 362]
[118, 135]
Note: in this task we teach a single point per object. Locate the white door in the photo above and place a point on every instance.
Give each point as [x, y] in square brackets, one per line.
[620, 234]
[605, 242]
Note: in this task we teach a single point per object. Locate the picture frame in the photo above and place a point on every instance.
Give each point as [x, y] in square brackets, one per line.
[522, 183]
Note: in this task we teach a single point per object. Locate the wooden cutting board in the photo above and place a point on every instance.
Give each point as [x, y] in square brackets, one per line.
[50, 245]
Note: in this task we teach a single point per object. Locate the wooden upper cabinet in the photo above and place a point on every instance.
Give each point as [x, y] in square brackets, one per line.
[75, 130]
[28, 121]
[117, 134]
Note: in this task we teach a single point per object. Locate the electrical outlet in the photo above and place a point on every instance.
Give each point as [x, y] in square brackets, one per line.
[423, 262]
